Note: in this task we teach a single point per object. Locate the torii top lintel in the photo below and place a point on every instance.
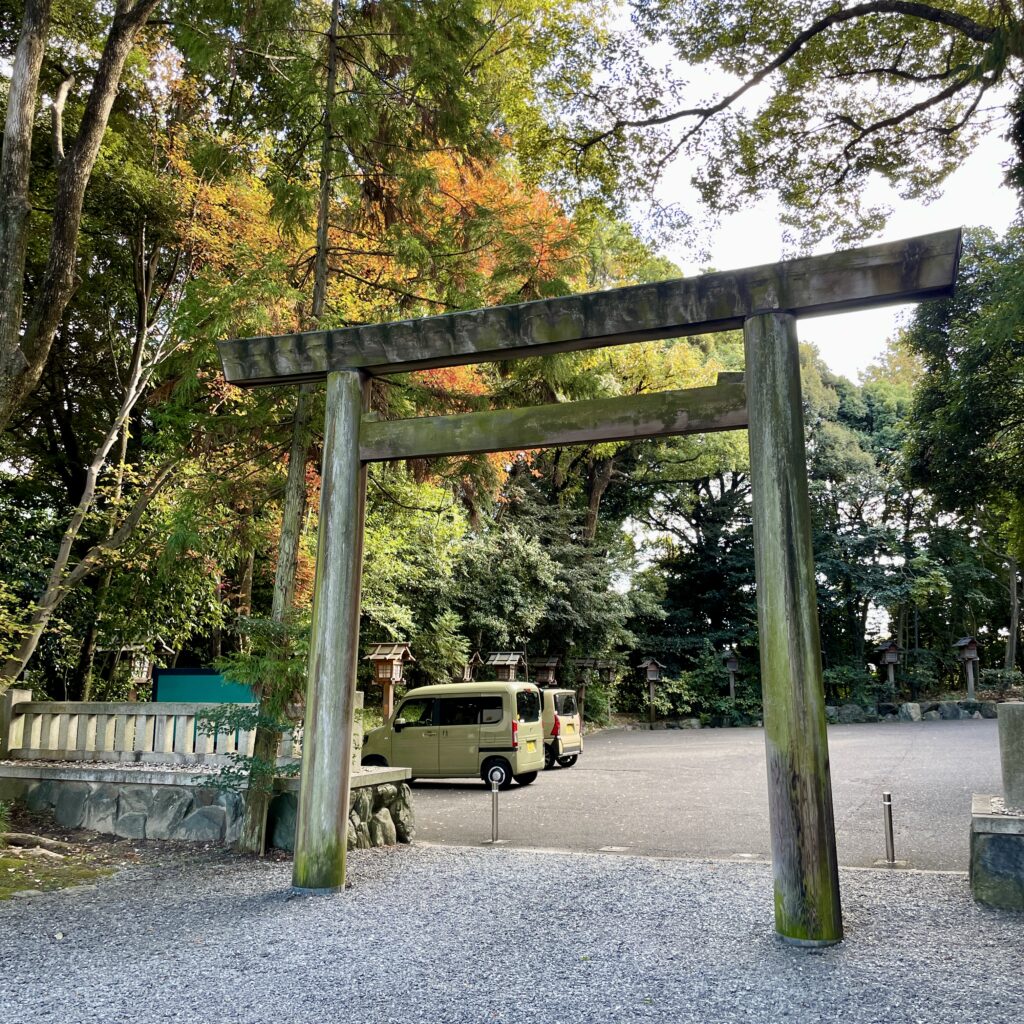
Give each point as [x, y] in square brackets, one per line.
[912, 269]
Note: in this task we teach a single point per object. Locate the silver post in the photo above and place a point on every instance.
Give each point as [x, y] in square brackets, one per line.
[494, 810]
[890, 849]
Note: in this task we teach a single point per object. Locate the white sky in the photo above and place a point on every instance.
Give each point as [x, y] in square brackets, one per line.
[849, 342]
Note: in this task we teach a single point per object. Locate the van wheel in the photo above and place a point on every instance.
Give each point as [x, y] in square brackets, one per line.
[503, 766]
[526, 778]
[549, 759]
[568, 761]
[374, 761]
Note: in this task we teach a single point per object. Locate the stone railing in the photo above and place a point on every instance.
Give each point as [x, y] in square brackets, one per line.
[157, 733]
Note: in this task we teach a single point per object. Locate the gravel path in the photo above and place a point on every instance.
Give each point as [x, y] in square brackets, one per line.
[479, 935]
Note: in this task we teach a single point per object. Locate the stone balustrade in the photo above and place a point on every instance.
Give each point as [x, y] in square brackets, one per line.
[156, 733]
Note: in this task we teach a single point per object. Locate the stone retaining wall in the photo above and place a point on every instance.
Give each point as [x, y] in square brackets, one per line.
[378, 816]
[183, 806]
[926, 711]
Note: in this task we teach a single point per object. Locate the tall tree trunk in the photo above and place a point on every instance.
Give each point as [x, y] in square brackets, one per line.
[1010, 661]
[600, 477]
[21, 368]
[15, 164]
[253, 835]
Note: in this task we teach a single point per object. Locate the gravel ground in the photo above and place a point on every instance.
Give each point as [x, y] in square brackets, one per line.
[474, 935]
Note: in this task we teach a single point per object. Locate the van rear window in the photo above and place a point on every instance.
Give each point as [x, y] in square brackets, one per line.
[528, 705]
[565, 703]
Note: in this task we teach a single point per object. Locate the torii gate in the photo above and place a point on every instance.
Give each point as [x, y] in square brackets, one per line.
[765, 302]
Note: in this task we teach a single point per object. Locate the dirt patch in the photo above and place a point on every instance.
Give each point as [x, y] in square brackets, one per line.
[90, 856]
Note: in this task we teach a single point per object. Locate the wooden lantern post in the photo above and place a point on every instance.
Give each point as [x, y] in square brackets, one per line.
[967, 648]
[545, 671]
[506, 665]
[889, 656]
[651, 670]
[732, 664]
[469, 669]
[388, 661]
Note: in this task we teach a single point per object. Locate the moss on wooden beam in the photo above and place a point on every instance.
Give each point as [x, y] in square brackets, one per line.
[661, 414]
[903, 271]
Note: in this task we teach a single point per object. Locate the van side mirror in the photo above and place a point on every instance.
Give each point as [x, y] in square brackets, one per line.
[399, 724]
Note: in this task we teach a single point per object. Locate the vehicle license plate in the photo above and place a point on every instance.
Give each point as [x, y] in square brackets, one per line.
[531, 745]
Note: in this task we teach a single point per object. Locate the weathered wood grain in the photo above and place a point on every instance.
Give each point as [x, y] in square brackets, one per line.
[807, 908]
[915, 268]
[661, 414]
[322, 827]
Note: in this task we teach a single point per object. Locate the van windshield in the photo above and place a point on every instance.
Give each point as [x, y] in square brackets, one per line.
[565, 703]
[528, 705]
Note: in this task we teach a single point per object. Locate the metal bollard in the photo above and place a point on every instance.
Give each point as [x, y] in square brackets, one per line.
[494, 811]
[890, 848]
[495, 775]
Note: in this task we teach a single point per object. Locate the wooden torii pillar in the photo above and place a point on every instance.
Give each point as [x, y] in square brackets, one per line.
[764, 302]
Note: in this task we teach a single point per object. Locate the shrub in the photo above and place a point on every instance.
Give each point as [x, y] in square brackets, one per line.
[1001, 679]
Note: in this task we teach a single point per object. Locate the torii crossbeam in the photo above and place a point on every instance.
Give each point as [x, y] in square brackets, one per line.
[765, 302]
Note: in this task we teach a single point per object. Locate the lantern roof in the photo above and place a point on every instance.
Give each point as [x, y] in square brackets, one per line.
[966, 641]
[728, 653]
[505, 658]
[545, 662]
[889, 645]
[648, 662]
[390, 652]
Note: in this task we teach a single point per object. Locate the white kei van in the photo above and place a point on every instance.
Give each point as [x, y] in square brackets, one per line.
[464, 730]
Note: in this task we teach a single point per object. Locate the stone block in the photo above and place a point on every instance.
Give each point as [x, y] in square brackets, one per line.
[949, 710]
[363, 841]
[910, 712]
[850, 713]
[41, 796]
[989, 709]
[351, 839]
[405, 822]
[997, 869]
[1011, 752]
[167, 809]
[929, 705]
[281, 818]
[131, 825]
[363, 803]
[968, 708]
[382, 829]
[930, 716]
[101, 808]
[690, 723]
[885, 709]
[831, 714]
[384, 796]
[203, 825]
[870, 715]
[135, 800]
[69, 809]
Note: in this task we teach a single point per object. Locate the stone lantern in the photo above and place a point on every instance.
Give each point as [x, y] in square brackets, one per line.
[967, 648]
[889, 656]
[388, 660]
[651, 671]
[732, 664]
[545, 671]
[505, 664]
[469, 669]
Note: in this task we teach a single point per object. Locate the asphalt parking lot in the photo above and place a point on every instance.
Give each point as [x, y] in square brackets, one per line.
[703, 793]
